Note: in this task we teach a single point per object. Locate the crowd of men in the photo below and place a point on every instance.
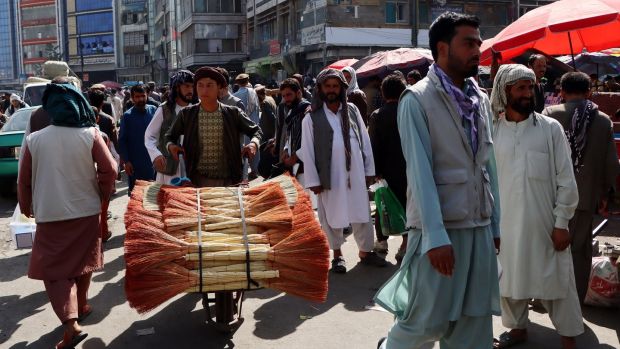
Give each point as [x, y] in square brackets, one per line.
[452, 155]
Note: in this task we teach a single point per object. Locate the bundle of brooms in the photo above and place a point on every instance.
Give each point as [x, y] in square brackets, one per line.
[192, 240]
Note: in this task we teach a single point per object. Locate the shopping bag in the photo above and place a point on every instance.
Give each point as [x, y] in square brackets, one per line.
[604, 286]
[391, 213]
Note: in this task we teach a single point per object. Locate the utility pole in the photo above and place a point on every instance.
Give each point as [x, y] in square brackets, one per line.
[81, 54]
[164, 45]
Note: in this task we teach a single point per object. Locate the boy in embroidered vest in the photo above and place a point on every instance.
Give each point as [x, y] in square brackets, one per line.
[338, 164]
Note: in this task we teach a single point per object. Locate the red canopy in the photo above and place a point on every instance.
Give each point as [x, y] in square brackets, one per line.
[387, 61]
[343, 63]
[591, 24]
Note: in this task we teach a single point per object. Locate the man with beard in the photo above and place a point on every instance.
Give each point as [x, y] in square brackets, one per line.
[538, 63]
[289, 130]
[538, 195]
[182, 95]
[133, 153]
[338, 164]
[595, 163]
[446, 289]
[252, 108]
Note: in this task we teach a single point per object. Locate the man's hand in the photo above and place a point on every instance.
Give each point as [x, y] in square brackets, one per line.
[442, 259]
[496, 241]
[128, 168]
[175, 150]
[249, 151]
[561, 239]
[370, 180]
[160, 163]
[317, 190]
[289, 161]
[271, 146]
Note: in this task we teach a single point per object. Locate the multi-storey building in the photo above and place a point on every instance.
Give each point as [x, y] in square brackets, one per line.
[212, 32]
[90, 39]
[41, 35]
[133, 56]
[306, 35]
[10, 66]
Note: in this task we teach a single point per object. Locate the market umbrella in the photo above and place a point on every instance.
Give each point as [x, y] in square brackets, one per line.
[560, 28]
[595, 63]
[343, 63]
[384, 62]
[111, 84]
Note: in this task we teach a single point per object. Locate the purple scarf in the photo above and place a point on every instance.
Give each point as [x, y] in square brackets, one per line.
[467, 103]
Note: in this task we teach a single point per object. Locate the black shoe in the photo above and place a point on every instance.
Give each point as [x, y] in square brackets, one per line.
[374, 260]
[339, 266]
[381, 342]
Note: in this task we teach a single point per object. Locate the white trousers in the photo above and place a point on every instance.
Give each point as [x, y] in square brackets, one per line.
[565, 313]
[363, 233]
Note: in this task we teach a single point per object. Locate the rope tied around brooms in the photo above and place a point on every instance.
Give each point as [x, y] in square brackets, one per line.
[199, 237]
[245, 240]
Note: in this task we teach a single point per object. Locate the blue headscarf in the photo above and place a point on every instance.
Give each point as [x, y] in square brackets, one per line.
[67, 106]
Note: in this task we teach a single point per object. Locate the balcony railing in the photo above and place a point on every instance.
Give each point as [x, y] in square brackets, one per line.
[31, 3]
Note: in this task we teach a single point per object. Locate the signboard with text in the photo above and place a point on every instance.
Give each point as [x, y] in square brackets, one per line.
[313, 35]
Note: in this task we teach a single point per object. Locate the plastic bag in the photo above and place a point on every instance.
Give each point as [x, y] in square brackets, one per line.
[604, 285]
[391, 213]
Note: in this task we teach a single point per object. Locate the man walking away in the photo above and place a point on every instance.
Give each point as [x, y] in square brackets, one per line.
[338, 164]
[390, 165]
[131, 139]
[595, 163]
[447, 288]
[267, 125]
[538, 195]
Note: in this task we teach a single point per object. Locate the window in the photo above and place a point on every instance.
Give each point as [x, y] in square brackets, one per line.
[95, 23]
[395, 12]
[39, 32]
[135, 60]
[37, 13]
[217, 6]
[140, 38]
[96, 45]
[87, 5]
[218, 45]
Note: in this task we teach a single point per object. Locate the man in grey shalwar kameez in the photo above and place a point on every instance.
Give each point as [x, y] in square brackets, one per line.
[447, 288]
[538, 195]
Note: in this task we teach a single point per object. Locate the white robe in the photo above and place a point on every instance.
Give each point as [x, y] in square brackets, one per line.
[151, 139]
[538, 192]
[343, 205]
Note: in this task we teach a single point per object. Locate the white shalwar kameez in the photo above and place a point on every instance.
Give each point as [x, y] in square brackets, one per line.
[341, 205]
[538, 192]
[151, 139]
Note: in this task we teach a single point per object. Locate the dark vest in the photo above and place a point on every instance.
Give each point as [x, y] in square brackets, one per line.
[323, 141]
[168, 118]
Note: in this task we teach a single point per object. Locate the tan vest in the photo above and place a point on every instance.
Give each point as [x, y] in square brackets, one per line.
[64, 178]
[462, 181]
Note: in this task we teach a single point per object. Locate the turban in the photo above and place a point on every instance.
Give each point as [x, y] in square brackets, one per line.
[179, 78]
[508, 74]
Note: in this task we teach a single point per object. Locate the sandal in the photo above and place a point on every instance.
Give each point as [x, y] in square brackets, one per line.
[75, 340]
[107, 237]
[507, 340]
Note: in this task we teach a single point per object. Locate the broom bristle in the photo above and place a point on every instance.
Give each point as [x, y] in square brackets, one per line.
[147, 290]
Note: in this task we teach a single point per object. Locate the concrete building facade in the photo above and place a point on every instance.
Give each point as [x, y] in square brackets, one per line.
[90, 39]
[10, 65]
[133, 55]
[41, 35]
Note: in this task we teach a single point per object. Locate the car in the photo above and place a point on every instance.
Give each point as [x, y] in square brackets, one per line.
[33, 93]
[11, 136]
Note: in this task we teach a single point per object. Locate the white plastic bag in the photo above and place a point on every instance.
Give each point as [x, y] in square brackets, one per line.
[604, 285]
[22, 229]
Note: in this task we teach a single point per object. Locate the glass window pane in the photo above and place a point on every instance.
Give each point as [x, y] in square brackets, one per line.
[85, 5]
[95, 45]
[390, 12]
[200, 6]
[95, 23]
[227, 6]
[214, 6]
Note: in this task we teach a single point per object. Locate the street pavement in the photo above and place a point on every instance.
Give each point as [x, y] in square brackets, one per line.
[272, 320]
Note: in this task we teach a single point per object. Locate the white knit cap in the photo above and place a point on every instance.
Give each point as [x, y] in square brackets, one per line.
[508, 74]
[15, 97]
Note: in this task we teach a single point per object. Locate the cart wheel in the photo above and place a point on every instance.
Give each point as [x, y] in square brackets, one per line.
[227, 310]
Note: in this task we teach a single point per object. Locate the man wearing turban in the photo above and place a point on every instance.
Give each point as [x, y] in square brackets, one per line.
[538, 196]
[181, 95]
[338, 161]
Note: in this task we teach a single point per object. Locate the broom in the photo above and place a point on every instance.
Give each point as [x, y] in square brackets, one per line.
[147, 292]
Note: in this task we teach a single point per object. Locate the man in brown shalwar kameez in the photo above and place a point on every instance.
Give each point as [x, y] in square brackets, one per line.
[595, 163]
[65, 174]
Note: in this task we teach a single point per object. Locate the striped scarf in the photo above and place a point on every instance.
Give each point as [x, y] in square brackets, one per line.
[577, 134]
